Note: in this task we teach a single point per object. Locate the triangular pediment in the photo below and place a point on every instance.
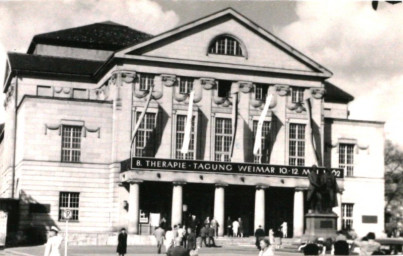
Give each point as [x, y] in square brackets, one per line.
[191, 42]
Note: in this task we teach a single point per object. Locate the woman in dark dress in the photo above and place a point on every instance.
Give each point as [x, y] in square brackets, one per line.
[122, 243]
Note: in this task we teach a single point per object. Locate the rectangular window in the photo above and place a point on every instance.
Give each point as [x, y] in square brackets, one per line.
[42, 90]
[261, 91]
[146, 81]
[185, 85]
[347, 215]
[346, 159]
[69, 201]
[297, 145]
[145, 145]
[263, 156]
[297, 95]
[71, 143]
[180, 135]
[224, 88]
[223, 139]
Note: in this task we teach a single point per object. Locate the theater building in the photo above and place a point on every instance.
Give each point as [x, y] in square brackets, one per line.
[73, 103]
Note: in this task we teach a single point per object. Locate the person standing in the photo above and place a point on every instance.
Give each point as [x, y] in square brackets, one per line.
[235, 227]
[266, 249]
[122, 243]
[203, 235]
[52, 247]
[169, 239]
[229, 226]
[284, 229]
[182, 235]
[214, 225]
[241, 227]
[191, 239]
[259, 234]
[159, 234]
[271, 236]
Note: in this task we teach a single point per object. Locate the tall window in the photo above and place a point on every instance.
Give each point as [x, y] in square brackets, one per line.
[297, 95]
[223, 139]
[146, 81]
[185, 85]
[224, 88]
[297, 145]
[145, 138]
[263, 156]
[71, 143]
[346, 158]
[347, 215]
[180, 135]
[69, 201]
[226, 46]
[260, 92]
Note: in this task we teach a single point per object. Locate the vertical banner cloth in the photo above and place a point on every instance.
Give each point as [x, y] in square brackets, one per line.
[234, 92]
[188, 127]
[138, 123]
[310, 130]
[258, 140]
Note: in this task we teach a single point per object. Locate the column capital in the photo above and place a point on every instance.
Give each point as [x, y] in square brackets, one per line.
[263, 187]
[207, 82]
[134, 181]
[300, 189]
[168, 79]
[221, 185]
[179, 183]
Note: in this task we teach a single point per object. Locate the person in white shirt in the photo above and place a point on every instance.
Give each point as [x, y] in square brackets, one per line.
[235, 227]
[284, 229]
[265, 248]
[169, 238]
[52, 247]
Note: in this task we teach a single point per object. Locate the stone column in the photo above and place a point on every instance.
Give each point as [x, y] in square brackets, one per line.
[219, 206]
[134, 203]
[337, 210]
[177, 203]
[260, 203]
[298, 212]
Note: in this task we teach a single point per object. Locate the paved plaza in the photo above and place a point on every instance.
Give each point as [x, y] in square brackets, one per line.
[135, 251]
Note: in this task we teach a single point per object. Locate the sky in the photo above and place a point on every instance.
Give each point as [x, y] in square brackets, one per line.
[362, 47]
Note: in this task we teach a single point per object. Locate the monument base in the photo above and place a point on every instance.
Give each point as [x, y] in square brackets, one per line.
[320, 225]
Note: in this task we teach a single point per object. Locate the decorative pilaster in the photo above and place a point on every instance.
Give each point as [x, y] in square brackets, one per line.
[318, 93]
[208, 83]
[168, 79]
[134, 203]
[177, 202]
[260, 209]
[299, 211]
[219, 207]
[282, 89]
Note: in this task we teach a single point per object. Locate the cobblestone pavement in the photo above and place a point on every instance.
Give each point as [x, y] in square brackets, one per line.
[133, 251]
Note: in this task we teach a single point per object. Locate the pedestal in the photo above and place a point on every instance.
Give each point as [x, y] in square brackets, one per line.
[320, 225]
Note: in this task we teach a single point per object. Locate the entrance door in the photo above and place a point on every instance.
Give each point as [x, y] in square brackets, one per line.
[198, 200]
[240, 203]
[279, 208]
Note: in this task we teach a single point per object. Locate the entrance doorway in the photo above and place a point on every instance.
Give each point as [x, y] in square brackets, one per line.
[198, 200]
[279, 208]
[156, 197]
[240, 203]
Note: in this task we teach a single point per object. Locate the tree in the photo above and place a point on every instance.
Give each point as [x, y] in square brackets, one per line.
[393, 182]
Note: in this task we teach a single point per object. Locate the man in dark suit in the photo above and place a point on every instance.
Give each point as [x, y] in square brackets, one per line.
[259, 234]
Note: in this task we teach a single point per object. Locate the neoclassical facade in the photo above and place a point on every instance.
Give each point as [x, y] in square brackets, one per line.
[97, 118]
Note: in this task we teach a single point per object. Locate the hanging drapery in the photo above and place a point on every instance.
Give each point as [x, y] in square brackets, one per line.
[188, 127]
[310, 130]
[234, 93]
[258, 140]
[138, 123]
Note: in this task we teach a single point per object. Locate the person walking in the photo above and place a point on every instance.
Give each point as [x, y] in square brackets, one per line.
[211, 232]
[203, 235]
[241, 227]
[52, 247]
[235, 227]
[159, 234]
[284, 229]
[169, 239]
[214, 225]
[122, 243]
[191, 239]
[259, 234]
[266, 249]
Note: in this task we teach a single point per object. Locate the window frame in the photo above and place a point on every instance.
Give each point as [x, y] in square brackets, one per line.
[186, 83]
[299, 160]
[226, 45]
[143, 128]
[225, 155]
[344, 156]
[261, 91]
[148, 78]
[347, 220]
[70, 149]
[297, 95]
[266, 140]
[75, 210]
[175, 149]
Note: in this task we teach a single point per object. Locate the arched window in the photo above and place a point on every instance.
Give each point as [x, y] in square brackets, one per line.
[226, 45]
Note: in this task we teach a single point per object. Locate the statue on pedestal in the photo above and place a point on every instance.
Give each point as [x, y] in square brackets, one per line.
[322, 191]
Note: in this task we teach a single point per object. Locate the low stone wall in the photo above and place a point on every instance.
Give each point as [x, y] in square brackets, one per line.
[108, 239]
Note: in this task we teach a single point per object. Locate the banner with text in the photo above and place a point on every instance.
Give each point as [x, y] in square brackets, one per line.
[225, 167]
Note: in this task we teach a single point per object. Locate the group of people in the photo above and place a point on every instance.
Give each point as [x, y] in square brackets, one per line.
[235, 228]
